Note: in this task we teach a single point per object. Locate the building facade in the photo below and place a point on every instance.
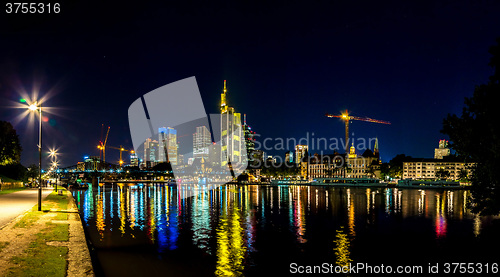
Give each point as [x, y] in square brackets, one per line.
[442, 150]
[454, 168]
[202, 140]
[231, 133]
[249, 137]
[134, 160]
[351, 165]
[300, 152]
[289, 157]
[150, 152]
[167, 140]
[443, 166]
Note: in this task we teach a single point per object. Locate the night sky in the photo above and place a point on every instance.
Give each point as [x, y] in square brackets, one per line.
[286, 65]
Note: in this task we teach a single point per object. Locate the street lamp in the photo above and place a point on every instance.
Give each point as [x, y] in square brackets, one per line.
[34, 107]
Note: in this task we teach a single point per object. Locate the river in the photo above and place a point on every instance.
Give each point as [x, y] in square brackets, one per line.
[255, 230]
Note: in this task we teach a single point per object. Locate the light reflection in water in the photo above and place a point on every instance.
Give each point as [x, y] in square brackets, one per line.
[227, 223]
[342, 248]
[440, 216]
[230, 243]
[350, 214]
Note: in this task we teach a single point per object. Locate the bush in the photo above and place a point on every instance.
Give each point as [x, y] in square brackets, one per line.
[14, 171]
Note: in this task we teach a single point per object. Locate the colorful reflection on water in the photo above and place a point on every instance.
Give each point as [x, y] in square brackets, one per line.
[249, 229]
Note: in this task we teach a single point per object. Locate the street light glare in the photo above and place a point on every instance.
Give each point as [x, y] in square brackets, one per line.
[33, 107]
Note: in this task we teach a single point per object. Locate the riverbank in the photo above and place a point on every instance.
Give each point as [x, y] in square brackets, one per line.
[50, 242]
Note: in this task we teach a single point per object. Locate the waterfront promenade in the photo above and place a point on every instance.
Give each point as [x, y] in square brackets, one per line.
[16, 203]
[46, 243]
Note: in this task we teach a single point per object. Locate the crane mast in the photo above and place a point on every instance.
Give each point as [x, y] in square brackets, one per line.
[121, 150]
[102, 146]
[347, 118]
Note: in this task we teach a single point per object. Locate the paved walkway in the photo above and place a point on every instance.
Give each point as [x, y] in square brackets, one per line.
[14, 204]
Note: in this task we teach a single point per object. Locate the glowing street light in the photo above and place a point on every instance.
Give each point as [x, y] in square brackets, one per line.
[34, 107]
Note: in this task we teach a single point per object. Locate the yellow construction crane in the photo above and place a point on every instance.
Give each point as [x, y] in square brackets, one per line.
[102, 145]
[346, 118]
[121, 150]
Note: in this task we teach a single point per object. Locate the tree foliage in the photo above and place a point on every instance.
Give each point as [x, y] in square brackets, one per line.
[10, 147]
[475, 136]
[394, 168]
[280, 169]
[443, 174]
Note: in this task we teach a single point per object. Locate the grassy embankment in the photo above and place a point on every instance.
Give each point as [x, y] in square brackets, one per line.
[41, 259]
[9, 180]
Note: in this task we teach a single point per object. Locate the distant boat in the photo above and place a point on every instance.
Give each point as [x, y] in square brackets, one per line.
[409, 183]
[355, 182]
[290, 182]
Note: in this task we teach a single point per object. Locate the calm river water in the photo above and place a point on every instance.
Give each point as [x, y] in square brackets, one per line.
[153, 230]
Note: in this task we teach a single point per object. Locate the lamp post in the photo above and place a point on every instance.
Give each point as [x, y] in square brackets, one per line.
[53, 154]
[35, 107]
[55, 165]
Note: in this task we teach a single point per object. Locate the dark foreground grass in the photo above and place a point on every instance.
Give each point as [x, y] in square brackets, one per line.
[53, 203]
[41, 259]
[3, 244]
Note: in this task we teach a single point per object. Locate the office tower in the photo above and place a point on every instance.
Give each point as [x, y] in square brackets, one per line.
[150, 152]
[202, 139]
[231, 132]
[167, 139]
[300, 152]
[134, 160]
[249, 137]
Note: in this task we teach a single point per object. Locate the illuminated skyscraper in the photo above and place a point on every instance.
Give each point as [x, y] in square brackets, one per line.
[167, 139]
[300, 152]
[249, 137]
[150, 152]
[201, 142]
[134, 160]
[231, 132]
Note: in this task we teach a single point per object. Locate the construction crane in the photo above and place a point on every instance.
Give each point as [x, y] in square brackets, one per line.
[121, 150]
[347, 118]
[102, 145]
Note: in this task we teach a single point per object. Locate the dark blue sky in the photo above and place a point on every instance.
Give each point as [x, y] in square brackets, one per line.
[286, 64]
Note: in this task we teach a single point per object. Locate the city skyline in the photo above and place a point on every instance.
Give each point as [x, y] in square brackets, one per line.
[249, 138]
[410, 65]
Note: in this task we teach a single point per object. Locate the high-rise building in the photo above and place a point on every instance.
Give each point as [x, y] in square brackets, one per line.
[300, 152]
[180, 159]
[231, 133]
[214, 154]
[167, 139]
[289, 157]
[249, 138]
[442, 151]
[134, 160]
[202, 139]
[150, 152]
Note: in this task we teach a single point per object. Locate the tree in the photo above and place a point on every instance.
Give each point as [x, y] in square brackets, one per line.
[33, 171]
[10, 148]
[463, 175]
[475, 136]
[442, 174]
[394, 168]
[14, 171]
